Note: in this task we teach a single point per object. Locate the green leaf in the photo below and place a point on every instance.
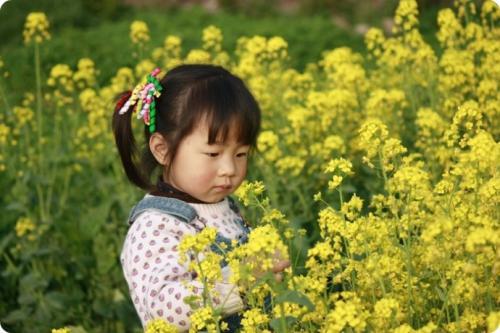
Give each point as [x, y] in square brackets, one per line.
[16, 316]
[26, 298]
[276, 323]
[104, 253]
[32, 281]
[55, 300]
[441, 294]
[77, 329]
[293, 296]
[193, 301]
[5, 242]
[94, 219]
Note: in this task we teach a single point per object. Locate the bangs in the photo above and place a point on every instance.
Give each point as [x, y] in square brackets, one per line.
[227, 107]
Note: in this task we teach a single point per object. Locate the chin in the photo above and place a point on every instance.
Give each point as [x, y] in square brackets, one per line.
[216, 199]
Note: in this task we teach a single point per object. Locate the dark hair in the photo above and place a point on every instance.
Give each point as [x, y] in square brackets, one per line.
[191, 92]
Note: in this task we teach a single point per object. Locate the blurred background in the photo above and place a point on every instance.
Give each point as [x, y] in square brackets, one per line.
[78, 26]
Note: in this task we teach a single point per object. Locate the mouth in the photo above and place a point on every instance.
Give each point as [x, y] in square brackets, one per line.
[223, 187]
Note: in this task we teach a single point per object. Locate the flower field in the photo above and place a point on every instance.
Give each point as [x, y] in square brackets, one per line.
[377, 175]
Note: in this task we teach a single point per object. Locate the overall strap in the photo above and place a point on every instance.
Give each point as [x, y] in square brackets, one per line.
[232, 204]
[172, 206]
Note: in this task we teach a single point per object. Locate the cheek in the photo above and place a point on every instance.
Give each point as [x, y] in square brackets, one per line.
[205, 174]
[243, 169]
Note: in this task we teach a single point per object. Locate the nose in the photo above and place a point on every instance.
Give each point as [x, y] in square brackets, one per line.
[227, 167]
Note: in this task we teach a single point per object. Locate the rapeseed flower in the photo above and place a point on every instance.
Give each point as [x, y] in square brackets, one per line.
[86, 74]
[248, 191]
[253, 321]
[61, 330]
[212, 39]
[24, 226]
[159, 326]
[139, 32]
[36, 28]
[204, 318]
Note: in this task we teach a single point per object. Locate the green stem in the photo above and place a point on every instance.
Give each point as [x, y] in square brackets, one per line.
[282, 318]
[38, 94]
[381, 162]
[457, 317]
[206, 293]
[39, 190]
[65, 188]
[5, 101]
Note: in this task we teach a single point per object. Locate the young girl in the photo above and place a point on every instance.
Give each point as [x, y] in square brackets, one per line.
[201, 122]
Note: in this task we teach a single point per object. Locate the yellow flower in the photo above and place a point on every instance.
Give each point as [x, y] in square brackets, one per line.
[36, 28]
[172, 44]
[61, 76]
[199, 242]
[212, 39]
[371, 136]
[123, 80]
[159, 326]
[388, 106]
[450, 29]
[209, 268]
[340, 164]
[23, 115]
[406, 17]
[61, 330]
[290, 165]
[253, 320]
[4, 133]
[334, 182]
[86, 74]
[24, 226]
[257, 255]
[139, 32]
[493, 321]
[273, 215]
[248, 191]
[203, 318]
[374, 40]
[352, 208]
[347, 313]
[88, 98]
[268, 145]
[466, 124]
[277, 48]
[197, 56]
[386, 312]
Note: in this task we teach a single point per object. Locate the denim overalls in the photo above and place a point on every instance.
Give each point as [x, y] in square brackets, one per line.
[185, 213]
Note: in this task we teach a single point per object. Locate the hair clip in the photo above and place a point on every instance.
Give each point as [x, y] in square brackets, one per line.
[142, 99]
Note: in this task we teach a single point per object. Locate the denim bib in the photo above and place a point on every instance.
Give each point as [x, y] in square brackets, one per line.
[187, 214]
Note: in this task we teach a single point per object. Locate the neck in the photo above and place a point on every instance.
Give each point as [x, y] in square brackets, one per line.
[164, 189]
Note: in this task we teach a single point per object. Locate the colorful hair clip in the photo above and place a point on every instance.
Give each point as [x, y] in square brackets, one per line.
[142, 99]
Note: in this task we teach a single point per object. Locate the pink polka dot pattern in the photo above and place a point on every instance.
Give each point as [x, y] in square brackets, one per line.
[157, 282]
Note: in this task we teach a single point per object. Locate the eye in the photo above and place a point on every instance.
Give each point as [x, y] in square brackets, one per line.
[242, 154]
[212, 154]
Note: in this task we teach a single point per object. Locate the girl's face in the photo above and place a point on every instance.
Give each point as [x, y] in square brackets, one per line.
[208, 172]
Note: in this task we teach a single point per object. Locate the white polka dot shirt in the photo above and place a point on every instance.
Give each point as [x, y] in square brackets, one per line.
[157, 282]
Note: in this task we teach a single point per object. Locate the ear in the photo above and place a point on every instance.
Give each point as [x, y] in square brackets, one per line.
[159, 147]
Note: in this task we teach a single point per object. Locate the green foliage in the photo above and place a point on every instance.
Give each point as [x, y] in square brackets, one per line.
[307, 37]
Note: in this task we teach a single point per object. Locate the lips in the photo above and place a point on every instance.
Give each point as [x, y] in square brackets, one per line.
[223, 187]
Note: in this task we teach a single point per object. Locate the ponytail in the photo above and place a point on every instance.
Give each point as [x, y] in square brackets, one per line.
[125, 142]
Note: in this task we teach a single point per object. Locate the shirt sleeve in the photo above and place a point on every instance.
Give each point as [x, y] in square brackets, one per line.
[158, 282]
